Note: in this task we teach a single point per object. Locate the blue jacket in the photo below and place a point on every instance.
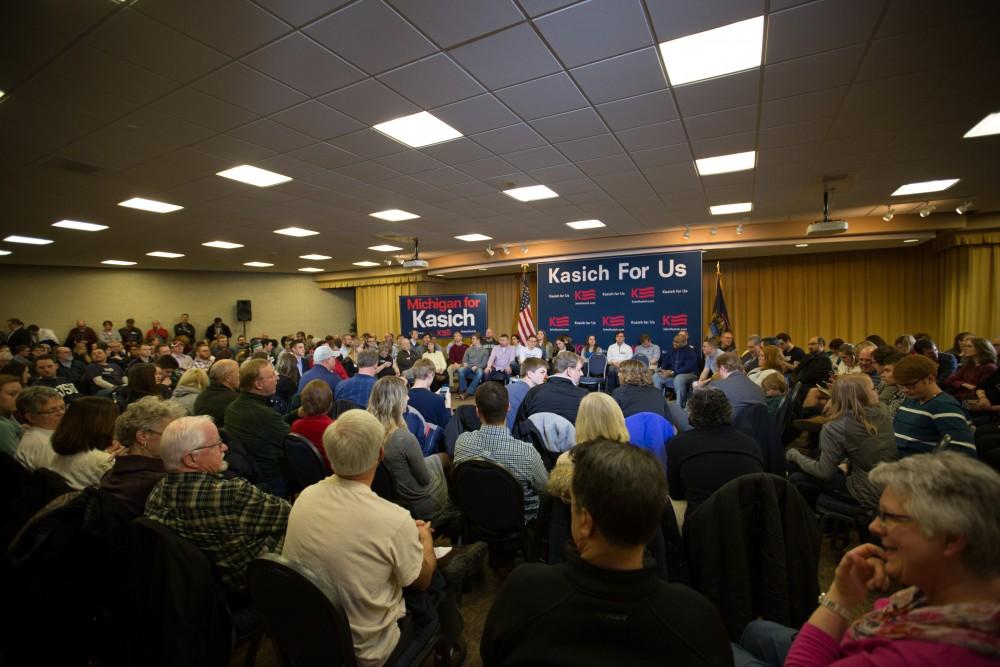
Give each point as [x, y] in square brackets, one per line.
[683, 360]
[651, 432]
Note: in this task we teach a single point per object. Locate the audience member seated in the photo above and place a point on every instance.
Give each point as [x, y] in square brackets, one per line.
[202, 356]
[946, 362]
[324, 362]
[84, 442]
[710, 350]
[48, 376]
[493, 442]
[936, 521]
[889, 393]
[618, 352]
[456, 353]
[815, 367]
[769, 362]
[498, 366]
[231, 520]
[680, 366]
[386, 360]
[560, 393]
[904, 344]
[859, 432]
[434, 408]
[791, 356]
[76, 371]
[138, 467]
[529, 351]
[775, 388]
[80, 334]
[18, 368]
[189, 387]
[10, 430]
[433, 353]
[42, 409]
[420, 482]
[473, 362]
[259, 428]
[368, 549]
[548, 350]
[317, 399]
[566, 614]
[591, 348]
[636, 393]
[101, 374]
[749, 355]
[142, 382]
[359, 387]
[648, 349]
[848, 364]
[978, 362]
[533, 373]
[927, 414]
[866, 359]
[224, 380]
[704, 459]
[737, 387]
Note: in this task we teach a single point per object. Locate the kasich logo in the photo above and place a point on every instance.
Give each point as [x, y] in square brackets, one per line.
[675, 320]
[613, 320]
[562, 321]
[585, 294]
[643, 292]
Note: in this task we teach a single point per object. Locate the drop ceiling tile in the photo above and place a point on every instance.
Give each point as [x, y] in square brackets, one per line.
[728, 195]
[360, 31]
[622, 76]
[164, 50]
[639, 110]
[317, 120]
[231, 148]
[558, 174]
[432, 82]
[595, 30]
[370, 102]
[468, 189]
[112, 75]
[410, 162]
[819, 26]
[510, 56]
[655, 135]
[812, 73]
[657, 157]
[457, 151]
[325, 155]
[509, 139]
[543, 97]
[539, 7]
[234, 27]
[487, 167]
[197, 107]
[536, 158]
[678, 18]
[572, 125]
[914, 51]
[602, 145]
[724, 92]
[732, 143]
[786, 154]
[304, 65]
[606, 165]
[300, 12]
[238, 84]
[800, 108]
[272, 135]
[720, 123]
[443, 176]
[368, 172]
[451, 22]
[287, 165]
[368, 144]
[476, 114]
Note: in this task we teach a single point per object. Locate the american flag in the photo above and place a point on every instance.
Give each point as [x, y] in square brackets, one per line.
[525, 326]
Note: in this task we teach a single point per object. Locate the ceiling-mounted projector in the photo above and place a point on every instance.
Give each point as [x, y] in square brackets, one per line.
[826, 226]
[415, 262]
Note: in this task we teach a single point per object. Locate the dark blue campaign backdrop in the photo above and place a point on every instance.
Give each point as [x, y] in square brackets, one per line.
[441, 315]
[656, 294]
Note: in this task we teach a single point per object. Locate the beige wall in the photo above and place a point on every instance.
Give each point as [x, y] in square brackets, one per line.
[55, 297]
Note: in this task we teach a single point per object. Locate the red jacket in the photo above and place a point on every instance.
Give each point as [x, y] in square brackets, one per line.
[312, 428]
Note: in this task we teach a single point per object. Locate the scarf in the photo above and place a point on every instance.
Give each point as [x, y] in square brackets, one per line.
[971, 625]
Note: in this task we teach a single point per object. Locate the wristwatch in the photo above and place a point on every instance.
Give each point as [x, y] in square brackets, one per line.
[837, 609]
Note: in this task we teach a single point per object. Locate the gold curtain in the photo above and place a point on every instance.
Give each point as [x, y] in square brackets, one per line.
[377, 306]
[970, 294]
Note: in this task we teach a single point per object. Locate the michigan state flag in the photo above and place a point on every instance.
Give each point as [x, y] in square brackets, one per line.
[720, 315]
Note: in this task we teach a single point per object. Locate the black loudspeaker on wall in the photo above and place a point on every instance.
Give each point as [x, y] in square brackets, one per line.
[244, 313]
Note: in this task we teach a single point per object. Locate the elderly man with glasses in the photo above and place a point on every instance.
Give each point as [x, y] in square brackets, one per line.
[43, 408]
[231, 520]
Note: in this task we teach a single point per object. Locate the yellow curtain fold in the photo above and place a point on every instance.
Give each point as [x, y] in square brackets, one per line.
[970, 294]
[377, 307]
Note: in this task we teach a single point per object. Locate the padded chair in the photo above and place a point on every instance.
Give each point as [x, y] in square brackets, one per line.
[186, 620]
[787, 408]
[384, 485]
[341, 406]
[241, 463]
[41, 487]
[492, 505]
[13, 478]
[643, 358]
[305, 466]
[595, 374]
[838, 515]
[303, 618]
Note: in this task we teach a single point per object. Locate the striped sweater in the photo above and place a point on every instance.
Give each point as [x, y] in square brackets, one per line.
[919, 426]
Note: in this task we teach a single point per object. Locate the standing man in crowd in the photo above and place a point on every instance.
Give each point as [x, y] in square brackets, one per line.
[130, 333]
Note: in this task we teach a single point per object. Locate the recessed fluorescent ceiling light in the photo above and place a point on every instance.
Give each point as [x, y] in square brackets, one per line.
[150, 205]
[985, 127]
[257, 264]
[164, 254]
[315, 258]
[225, 245]
[5, 252]
[82, 226]
[912, 241]
[531, 193]
[474, 237]
[295, 231]
[365, 263]
[394, 215]
[118, 262]
[30, 240]
[726, 209]
[926, 186]
[723, 164]
[310, 269]
[585, 224]
[731, 48]
[384, 248]
[420, 129]
[262, 178]
[801, 245]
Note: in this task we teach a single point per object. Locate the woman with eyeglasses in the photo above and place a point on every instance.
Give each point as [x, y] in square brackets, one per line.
[138, 468]
[937, 520]
[42, 408]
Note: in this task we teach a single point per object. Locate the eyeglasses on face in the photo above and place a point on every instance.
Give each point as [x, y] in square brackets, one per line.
[59, 409]
[217, 443]
[890, 518]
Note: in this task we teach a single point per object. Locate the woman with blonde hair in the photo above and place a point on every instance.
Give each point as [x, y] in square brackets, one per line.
[860, 431]
[599, 417]
[848, 364]
[420, 482]
[768, 363]
[193, 382]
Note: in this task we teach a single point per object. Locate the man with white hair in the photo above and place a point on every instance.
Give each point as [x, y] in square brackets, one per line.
[231, 520]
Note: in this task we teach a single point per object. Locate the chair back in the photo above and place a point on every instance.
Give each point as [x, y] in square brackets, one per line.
[340, 406]
[783, 415]
[597, 367]
[754, 421]
[643, 358]
[241, 463]
[384, 485]
[305, 466]
[303, 618]
[491, 500]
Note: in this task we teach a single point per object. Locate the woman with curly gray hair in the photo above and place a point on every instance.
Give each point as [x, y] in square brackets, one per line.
[139, 468]
[937, 520]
